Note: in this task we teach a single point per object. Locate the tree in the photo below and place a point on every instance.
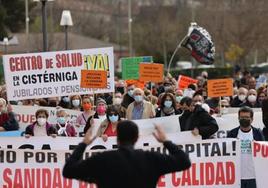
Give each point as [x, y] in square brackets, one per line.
[12, 16]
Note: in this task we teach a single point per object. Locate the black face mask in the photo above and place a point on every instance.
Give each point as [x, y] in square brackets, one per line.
[244, 122]
[265, 121]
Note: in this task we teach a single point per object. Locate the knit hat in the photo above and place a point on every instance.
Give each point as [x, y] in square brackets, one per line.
[100, 100]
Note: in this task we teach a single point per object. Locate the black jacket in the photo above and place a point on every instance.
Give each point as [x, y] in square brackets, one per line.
[125, 167]
[236, 102]
[201, 120]
[257, 133]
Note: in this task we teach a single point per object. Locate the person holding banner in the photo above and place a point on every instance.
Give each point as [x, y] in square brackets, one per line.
[125, 167]
[40, 127]
[140, 109]
[87, 113]
[246, 133]
[8, 121]
[109, 126]
[200, 122]
[63, 126]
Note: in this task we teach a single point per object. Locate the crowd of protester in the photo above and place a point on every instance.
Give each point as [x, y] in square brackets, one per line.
[134, 102]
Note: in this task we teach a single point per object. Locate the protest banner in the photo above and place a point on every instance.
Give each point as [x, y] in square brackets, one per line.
[130, 66]
[226, 122]
[93, 79]
[64, 143]
[260, 161]
[184, 81]
[26, 115]
[151, 72]
[215, 163]
[51, 74]
[220, 87]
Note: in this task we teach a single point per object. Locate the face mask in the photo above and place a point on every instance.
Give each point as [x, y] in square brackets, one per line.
[167, 88]
[113, 118]
[117, 101]
[198, 103]
[76, 102]
[66, 99]
[130, 92]
[252, 98]
[87, 106]
[61, 120]
[178, 98]
[244, 122]
[241, 97]
[101, 109]
[168, 104]
[138, 98]
[41, 121]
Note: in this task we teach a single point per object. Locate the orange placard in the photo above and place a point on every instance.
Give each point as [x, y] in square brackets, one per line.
[151, 72]
[93, 79]
[184, 81]
[220, 87]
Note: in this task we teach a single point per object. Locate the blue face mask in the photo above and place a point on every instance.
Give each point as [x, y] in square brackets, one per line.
[178, 98]
[66, 99]
[61, 120]
[138, 98]
[168, 104]
[113, 118]
[130, 92]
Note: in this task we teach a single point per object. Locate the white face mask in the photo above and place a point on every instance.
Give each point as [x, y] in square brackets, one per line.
[41, 121]
[76, 102]
[242, 97]
[117, 101]
[252, 98]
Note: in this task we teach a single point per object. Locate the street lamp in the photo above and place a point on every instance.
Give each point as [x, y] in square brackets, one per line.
[44, 22]
[6, 43]
[66, 20]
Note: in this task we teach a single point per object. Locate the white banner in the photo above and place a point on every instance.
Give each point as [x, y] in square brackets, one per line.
[228, 122]
[50, 74]
[171, 124]
[215, 163]
[260, 161]
[63, 143]
[26, 116]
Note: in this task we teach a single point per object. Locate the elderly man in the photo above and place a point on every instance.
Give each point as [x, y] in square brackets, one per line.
[8, 121]
[240, 98]
[139, 109]
[252, 99]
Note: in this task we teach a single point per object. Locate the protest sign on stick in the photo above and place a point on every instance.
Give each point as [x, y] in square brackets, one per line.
[151, 72]
[130, 66]
[93, 79]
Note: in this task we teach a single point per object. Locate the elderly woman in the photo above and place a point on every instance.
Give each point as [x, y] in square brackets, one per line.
[40, 127]
[140, 109]
[109, 125]
[64, 127]
[8, 121]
